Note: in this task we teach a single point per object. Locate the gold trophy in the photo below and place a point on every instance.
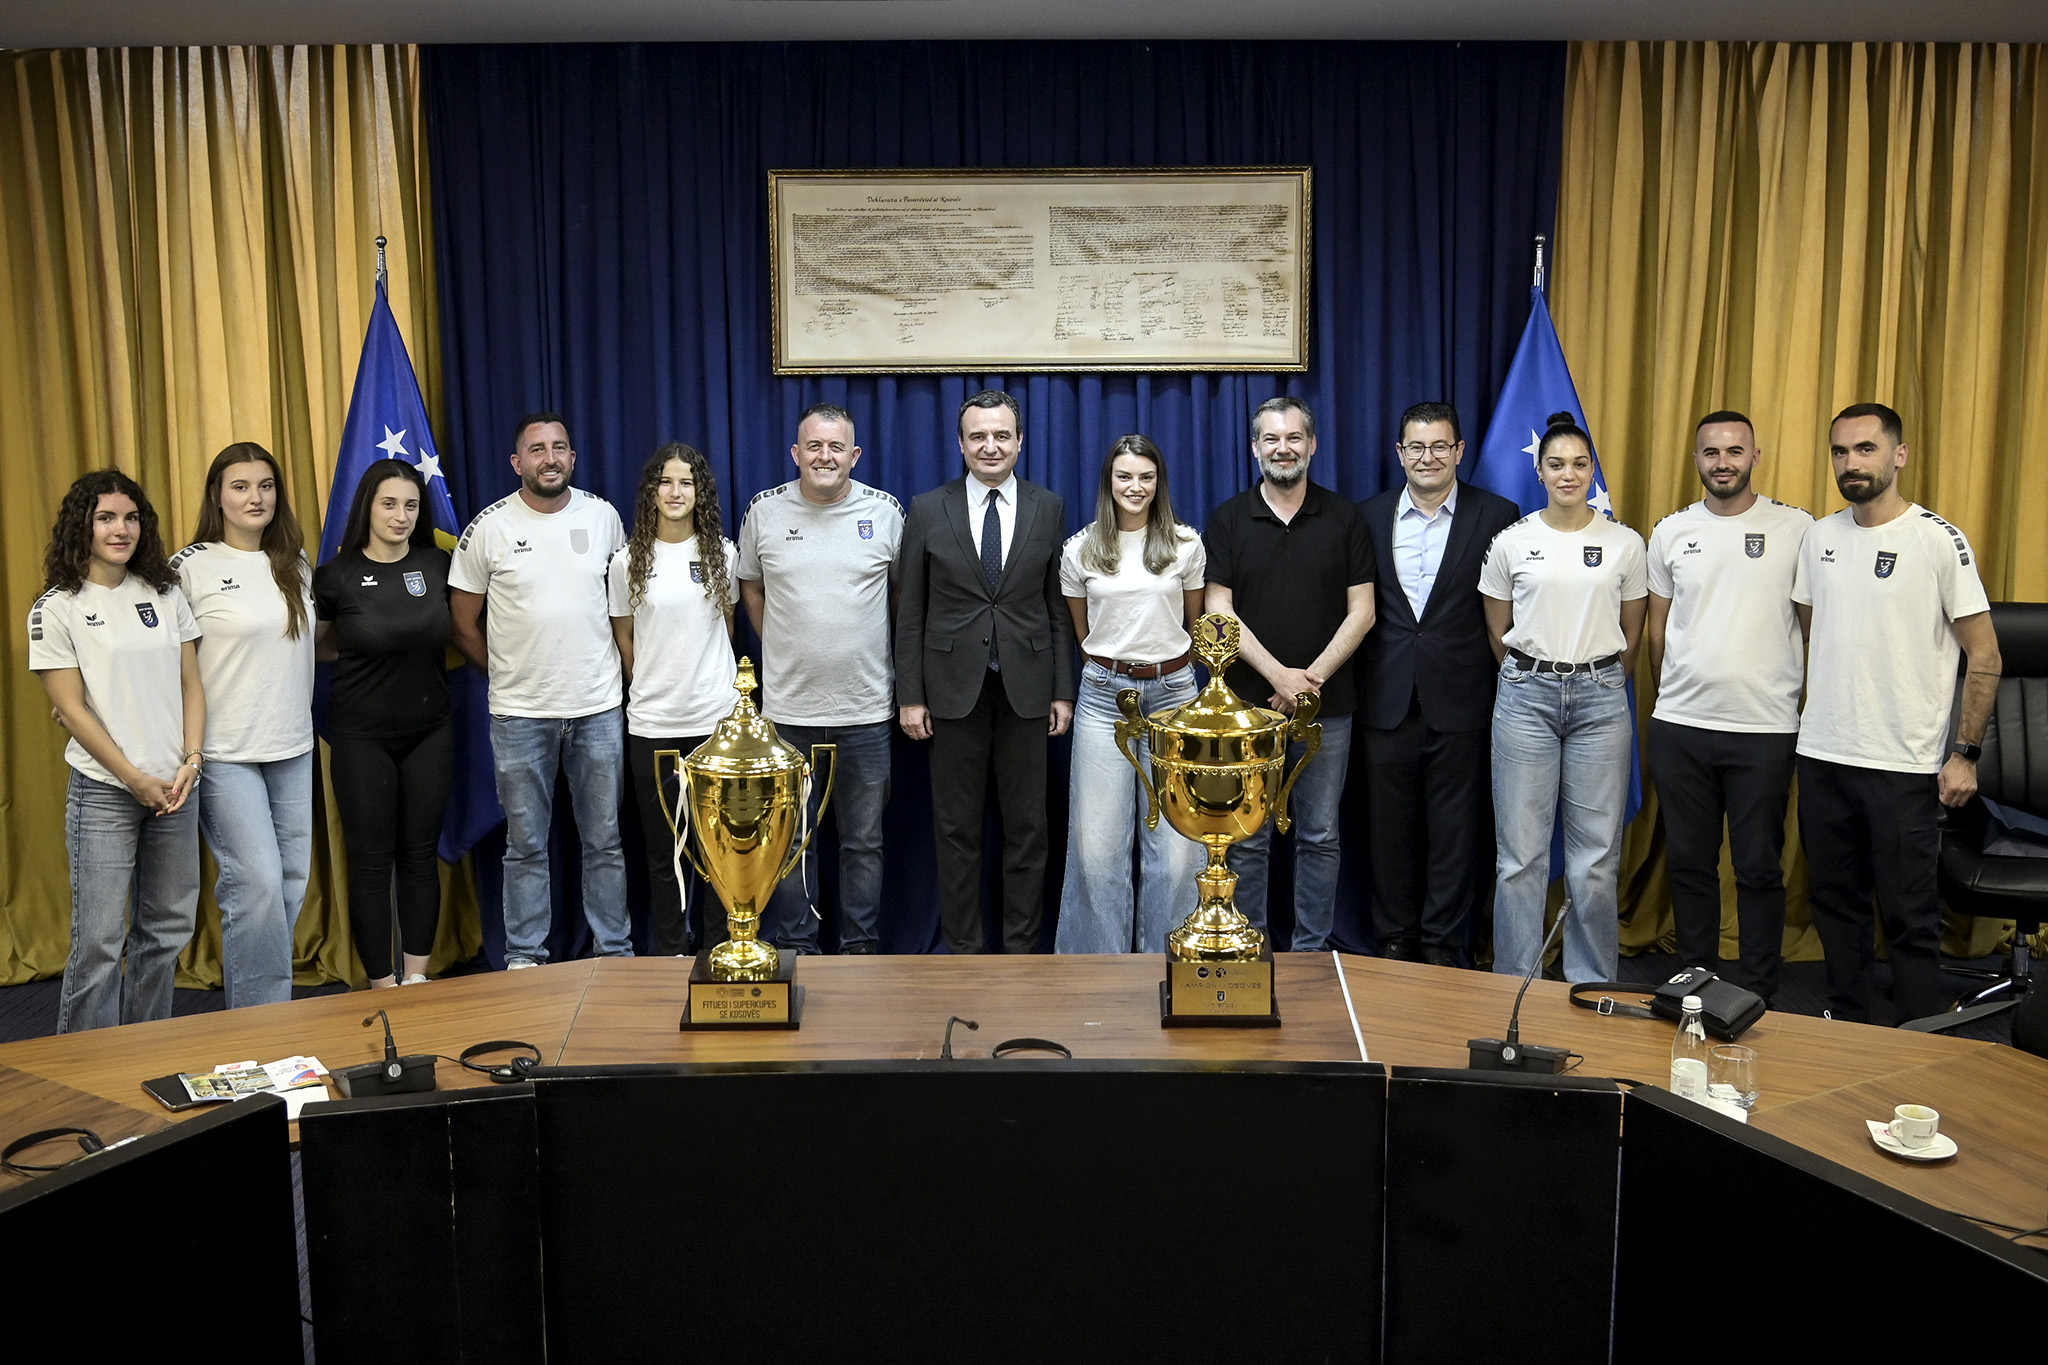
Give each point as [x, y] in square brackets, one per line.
[1216, 773]
[746, 792]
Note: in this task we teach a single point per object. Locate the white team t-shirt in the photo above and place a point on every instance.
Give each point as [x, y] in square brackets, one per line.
[1733, 656]
[683, 665]
[259, 682]
[1134, 615]
[547, 622]
[125, 643]
[1567, 586]
[1881, 669]
[827, 654]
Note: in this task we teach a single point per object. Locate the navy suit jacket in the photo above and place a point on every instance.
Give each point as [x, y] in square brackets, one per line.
[1444, 658]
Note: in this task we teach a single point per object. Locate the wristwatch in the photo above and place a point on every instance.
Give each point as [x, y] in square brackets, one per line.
[1972, 752]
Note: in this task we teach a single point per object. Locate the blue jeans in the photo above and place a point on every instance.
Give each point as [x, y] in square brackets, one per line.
[1105, 807]
[1313, 808]
[1559, 740]
[860, 793]
[591, 750]
[117, 849]
[258, 820]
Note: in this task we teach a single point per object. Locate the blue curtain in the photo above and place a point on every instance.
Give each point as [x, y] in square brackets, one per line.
[600, 219]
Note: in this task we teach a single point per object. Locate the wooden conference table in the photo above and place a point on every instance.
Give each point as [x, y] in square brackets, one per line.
[1820, 1079]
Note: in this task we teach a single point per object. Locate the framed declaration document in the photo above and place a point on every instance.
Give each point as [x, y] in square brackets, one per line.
[1204, 268]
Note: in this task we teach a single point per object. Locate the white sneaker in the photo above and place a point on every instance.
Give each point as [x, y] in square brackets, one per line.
[514, 964]
[414, 980]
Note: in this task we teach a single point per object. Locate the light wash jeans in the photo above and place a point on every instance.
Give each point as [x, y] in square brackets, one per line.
[591, 750]
[1312, 806]
[1559, 740]
[258, 820]
[119, 849]
[1105, 806]
[860, 793]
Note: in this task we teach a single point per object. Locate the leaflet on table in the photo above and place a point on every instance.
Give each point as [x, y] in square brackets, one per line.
[233, 1080]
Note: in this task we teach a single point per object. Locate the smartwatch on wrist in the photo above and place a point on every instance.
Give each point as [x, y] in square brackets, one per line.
[1971, 752]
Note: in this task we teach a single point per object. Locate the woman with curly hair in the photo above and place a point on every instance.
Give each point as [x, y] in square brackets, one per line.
[384, 623]
[250, 588]
[113, 641]
[671, 606]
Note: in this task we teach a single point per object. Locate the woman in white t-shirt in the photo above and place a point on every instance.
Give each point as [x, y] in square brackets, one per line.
[670, 589]
[112, 640]
[246, 576]
[1565, 592]
[1133, 581]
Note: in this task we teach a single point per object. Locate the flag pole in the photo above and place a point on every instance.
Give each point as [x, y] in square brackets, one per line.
[383, 279]
[1540, 240]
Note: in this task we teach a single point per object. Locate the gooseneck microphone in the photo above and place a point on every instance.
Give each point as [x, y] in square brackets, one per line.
[1494, 1054]
[946, 1052]
[395, 1075]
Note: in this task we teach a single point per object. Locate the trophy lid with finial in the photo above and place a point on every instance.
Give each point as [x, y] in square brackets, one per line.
[1217, 709]
[745, 744]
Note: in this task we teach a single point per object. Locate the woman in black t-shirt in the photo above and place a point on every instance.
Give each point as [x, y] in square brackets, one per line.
[383, 608]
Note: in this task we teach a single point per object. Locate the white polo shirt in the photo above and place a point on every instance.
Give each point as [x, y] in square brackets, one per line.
[1881, 667]
[546, 620]
[1733, 656]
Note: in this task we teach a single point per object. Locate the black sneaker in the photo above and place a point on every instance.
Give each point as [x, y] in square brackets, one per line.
[869, 949]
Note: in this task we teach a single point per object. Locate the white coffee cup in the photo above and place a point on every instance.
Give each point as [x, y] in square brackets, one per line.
[1914, 1125]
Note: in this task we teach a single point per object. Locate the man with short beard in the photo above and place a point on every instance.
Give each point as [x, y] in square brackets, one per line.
[1293, 562]
[1728, 658]
[539, 558]
[1888, 594]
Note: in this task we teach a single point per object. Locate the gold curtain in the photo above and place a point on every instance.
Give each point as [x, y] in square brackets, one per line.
[1786, 229]
[187, 260]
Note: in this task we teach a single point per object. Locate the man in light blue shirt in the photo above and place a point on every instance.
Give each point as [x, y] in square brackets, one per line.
[1426, 694]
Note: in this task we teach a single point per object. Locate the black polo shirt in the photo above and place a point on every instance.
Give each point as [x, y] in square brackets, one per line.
[1288, 582]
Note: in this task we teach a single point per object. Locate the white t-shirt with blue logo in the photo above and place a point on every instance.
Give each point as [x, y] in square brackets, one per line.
[683, 666]
[1881, 665]
[258, 680]
[1567, 586]
[824, 570]
[126, 644]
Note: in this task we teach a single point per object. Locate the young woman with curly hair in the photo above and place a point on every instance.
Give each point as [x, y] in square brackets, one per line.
[250, 588]
[671, 605]
[114, 643]
[385, 624]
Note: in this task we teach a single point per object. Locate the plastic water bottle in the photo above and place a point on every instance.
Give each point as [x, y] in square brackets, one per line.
[1689, 1053]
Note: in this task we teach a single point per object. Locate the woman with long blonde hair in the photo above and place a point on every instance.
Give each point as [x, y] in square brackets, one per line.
[246, 577]
[1133, 581]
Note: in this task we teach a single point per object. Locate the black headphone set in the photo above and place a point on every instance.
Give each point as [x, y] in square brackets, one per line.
[502, 1073]
[88, 1140]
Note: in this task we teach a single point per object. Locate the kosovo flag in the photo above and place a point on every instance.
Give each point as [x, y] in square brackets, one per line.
[387, 418]
[1538, 384]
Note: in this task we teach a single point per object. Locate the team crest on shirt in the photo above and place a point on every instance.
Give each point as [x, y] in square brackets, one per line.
[579, 540]
[416, 583]
[1592, 553]
[867, 530]
[696, 571]
[1886, 562]
[147, 613]
[1753, 544]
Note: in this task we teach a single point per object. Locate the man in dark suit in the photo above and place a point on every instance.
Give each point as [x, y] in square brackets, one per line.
[1427, 704]
[985, 666]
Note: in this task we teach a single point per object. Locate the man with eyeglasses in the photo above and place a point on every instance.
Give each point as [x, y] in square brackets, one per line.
[1426, 694]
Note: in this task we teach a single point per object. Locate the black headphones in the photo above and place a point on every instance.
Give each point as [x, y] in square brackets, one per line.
[87, 1139]
[504, 1073]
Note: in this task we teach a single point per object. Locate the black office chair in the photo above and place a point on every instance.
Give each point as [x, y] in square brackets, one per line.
[2014, 773]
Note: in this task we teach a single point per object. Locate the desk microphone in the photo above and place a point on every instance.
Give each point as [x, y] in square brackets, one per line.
[395, 1075]
[1491, 1054]
[946, 1052]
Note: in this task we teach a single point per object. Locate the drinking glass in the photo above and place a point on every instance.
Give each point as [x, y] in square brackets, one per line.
[1731, 1074]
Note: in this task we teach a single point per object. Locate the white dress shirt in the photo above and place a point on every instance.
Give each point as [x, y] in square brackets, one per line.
[1006, 510]
[1419, 541]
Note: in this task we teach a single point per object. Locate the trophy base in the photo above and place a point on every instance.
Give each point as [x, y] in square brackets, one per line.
[1219, 994]
[713, 1004]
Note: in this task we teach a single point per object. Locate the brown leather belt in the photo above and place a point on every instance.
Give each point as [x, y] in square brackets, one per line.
[1143, 672]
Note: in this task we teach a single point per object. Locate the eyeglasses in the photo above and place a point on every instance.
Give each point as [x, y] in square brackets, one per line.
[1415, 450]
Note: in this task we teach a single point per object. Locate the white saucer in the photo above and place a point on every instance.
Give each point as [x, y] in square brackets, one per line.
[1942, 1148]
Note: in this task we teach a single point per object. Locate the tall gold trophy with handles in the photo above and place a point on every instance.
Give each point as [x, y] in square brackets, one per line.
[1215, 773]
[743, 793]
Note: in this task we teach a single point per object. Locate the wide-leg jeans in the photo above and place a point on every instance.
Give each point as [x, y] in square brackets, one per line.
[134, 893]
[258, 820]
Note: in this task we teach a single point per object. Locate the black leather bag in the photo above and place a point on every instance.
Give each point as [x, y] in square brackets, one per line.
[1726, 1010]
